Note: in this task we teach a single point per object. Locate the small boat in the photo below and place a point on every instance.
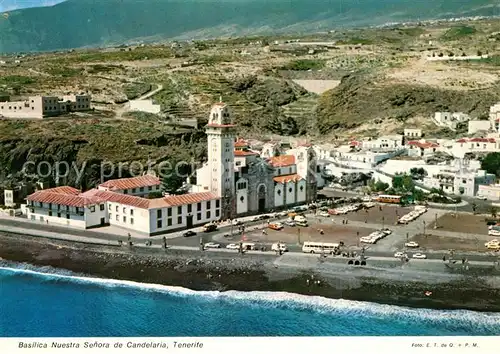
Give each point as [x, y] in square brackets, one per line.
[428, 293]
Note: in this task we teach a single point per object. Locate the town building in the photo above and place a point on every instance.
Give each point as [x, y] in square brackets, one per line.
[421, 148]
[44, 106]
[450, 120]
[461, 182]
[492, 192]
[388, 142]
[476, 126]
[412, 133]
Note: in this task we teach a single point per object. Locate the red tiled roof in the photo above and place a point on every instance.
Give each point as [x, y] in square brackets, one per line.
[482, 140]
[164, 202]
[288, 178]
[477, 140]
[282, 160]
[129, 183]
[240, 143]
[423, 145]
[239, 153]
[48, 197]
[176, 200]
[125, 199]
[63, 190]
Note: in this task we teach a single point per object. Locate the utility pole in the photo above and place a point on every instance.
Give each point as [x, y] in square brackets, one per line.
[407, 235]
[383, 222]
[424, 229]
[436, 221]
[298, 235]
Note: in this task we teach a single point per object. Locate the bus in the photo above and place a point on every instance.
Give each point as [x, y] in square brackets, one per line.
[392, 199]
[319, 247]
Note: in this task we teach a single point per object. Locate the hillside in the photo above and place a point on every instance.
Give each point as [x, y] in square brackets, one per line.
[387, 83]
[83, 23]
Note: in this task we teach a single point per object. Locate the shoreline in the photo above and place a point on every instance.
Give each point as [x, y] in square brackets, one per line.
[249, 272]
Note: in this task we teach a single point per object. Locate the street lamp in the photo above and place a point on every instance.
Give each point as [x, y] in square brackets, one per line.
[424, 229]
[383, 222]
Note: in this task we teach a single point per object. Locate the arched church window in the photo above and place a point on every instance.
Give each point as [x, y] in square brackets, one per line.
[301, 188]
[290, 190]
[279, 191]
[242, 199]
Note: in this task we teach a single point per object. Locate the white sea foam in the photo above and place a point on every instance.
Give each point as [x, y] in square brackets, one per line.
[284, 300]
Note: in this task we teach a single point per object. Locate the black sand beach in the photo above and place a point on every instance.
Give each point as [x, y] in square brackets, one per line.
[228, 271]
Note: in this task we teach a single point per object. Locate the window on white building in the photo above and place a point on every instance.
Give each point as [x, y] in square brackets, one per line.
[124, 219]
[169, 222]
[132, 221]
[159, 224]
[92, 209]
[179, 219]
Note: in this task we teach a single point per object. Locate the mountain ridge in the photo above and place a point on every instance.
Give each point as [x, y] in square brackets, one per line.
[84, 23]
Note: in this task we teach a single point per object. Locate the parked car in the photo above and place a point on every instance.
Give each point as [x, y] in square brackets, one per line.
[189, 233]
[233, 246]
[290, 223]
[481, 197]
[323, 214]
[399, 254]
[276, 226]
[419, 256]
[386, 231]
[301, 223]
[411, 244]
[212, 245]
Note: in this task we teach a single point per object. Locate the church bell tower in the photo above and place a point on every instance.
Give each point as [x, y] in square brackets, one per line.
[221, 133]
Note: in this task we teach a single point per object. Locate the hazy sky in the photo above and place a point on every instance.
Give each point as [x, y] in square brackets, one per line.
[7, 5]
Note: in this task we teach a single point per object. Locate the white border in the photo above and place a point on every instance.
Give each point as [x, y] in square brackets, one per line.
[242, 345]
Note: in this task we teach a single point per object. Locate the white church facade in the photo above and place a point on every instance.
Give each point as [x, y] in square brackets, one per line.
[249, 182]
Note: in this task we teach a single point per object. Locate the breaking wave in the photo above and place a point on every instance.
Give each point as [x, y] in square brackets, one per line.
[343, 311]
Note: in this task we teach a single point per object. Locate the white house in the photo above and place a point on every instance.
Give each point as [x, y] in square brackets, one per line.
[475, 145]
[388, 142]
[412, 133]
[450, 120]
[421, 148]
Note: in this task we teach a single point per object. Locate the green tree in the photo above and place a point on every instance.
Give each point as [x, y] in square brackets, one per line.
[491, 163]
[173, 177]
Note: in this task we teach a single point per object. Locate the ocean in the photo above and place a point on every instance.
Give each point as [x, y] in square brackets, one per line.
[43, 302]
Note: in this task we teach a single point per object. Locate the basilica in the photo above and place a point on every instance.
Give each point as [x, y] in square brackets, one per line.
[249, 181]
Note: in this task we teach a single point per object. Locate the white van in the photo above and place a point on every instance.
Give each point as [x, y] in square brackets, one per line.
[279, 246]
[248, 246]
